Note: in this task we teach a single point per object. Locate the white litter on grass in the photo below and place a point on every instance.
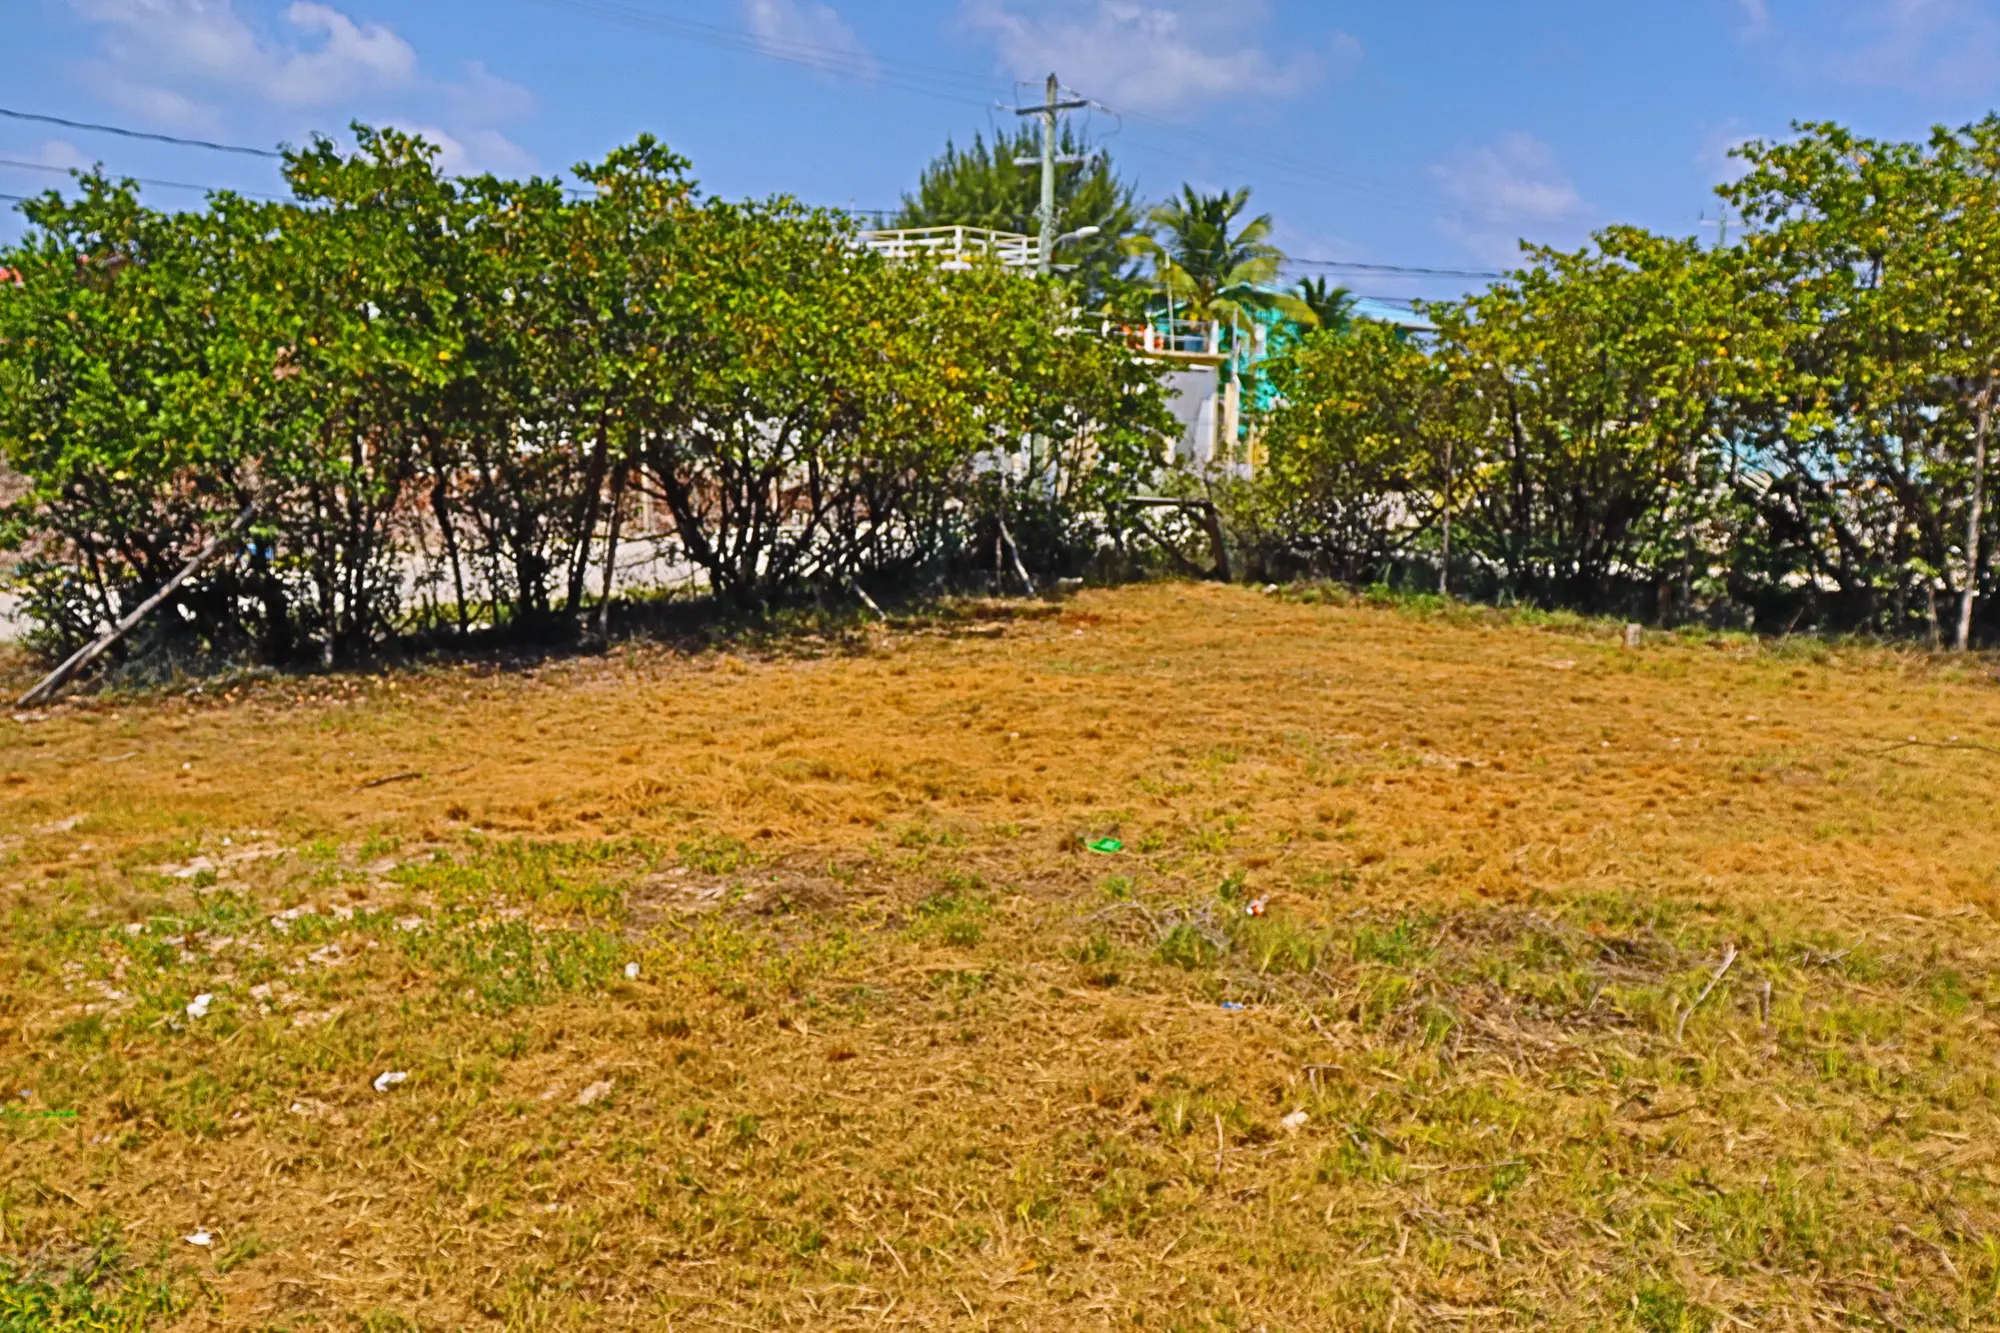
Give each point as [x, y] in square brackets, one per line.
[390, 1078]
[594, 1092]
[133, 928]
[198, 1006]
[1295, 1122]
[199, 1238]
[631, 971]
[282, 922]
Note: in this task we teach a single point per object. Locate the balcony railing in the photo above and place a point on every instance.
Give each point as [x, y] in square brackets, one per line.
[1172, 337]
[954, 248]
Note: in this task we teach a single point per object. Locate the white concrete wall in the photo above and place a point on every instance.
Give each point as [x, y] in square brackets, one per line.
[1192, 397]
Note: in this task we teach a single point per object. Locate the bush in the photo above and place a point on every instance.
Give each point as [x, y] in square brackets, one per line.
[450, 399]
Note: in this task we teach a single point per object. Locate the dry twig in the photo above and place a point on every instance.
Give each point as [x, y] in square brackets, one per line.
[1728, 961]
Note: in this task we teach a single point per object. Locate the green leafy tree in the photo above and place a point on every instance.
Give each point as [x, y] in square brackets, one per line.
[1348, 447]
[985, 185]
[1873, 266]
[443, 397]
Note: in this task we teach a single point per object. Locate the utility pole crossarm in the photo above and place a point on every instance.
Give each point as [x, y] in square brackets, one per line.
[1052, 106]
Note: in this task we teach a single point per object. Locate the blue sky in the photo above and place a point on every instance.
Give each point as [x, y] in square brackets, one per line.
[1428, 133]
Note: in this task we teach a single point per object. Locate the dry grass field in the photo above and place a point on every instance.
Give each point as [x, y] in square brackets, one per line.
[1457, 970]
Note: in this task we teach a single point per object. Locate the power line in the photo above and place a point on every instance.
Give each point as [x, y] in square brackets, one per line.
[926, 80]
[21, 165]
[1341, 265]
[955, 85]
[1382, 194]
[125, 133]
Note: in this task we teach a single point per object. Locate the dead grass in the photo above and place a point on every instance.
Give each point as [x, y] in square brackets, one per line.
[899, 1050]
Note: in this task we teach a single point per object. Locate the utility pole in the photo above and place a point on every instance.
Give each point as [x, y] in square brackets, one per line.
[1045, 243]
[1045, 215]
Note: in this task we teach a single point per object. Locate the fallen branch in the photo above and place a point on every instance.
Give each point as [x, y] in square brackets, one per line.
[1728, 961]
[383, 782]
[46, 688]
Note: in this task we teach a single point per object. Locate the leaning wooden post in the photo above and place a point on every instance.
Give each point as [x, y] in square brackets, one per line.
[84, 656]
[1020, 570]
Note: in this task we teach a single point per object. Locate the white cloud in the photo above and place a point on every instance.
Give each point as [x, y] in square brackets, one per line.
[1345, 54]
[162, 43]
[1717, 145]
[473, 152]
[182, 63]
[485, 97]
[64, 155]
[1158, 55]
[805, 27]
[149, 102]
[1507, 191]
[1927, 46]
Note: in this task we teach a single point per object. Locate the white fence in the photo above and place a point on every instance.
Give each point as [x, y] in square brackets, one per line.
[954, 247]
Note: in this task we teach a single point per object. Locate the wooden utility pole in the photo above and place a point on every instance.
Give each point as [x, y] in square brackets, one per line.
[1045, 214]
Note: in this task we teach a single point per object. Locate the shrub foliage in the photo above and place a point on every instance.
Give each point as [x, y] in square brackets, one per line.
[1791, 429]
[450, 400]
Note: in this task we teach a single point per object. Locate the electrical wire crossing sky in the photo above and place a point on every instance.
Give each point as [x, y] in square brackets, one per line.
[1405, 151]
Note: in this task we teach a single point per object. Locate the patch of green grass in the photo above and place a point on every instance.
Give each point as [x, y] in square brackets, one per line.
[955, 914]
[1190, 946]
[500, 965]
[1397, 945]
[581, 878]
[93, 1291]
[1660, 1306]
[1274, 944]
[715, 854]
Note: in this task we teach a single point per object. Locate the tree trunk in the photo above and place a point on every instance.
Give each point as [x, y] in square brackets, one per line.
[1444, 563]
[593, 490]
[611, 552]
[441, 509]
[1974, 522]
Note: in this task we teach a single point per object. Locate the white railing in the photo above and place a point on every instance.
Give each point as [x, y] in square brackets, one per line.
[954, 247]
[1172, 337]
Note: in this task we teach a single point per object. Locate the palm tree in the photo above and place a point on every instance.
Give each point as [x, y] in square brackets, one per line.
[1213, 268]
[1334, 306]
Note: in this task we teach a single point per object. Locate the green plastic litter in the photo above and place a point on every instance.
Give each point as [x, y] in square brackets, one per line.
[1105, 845]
